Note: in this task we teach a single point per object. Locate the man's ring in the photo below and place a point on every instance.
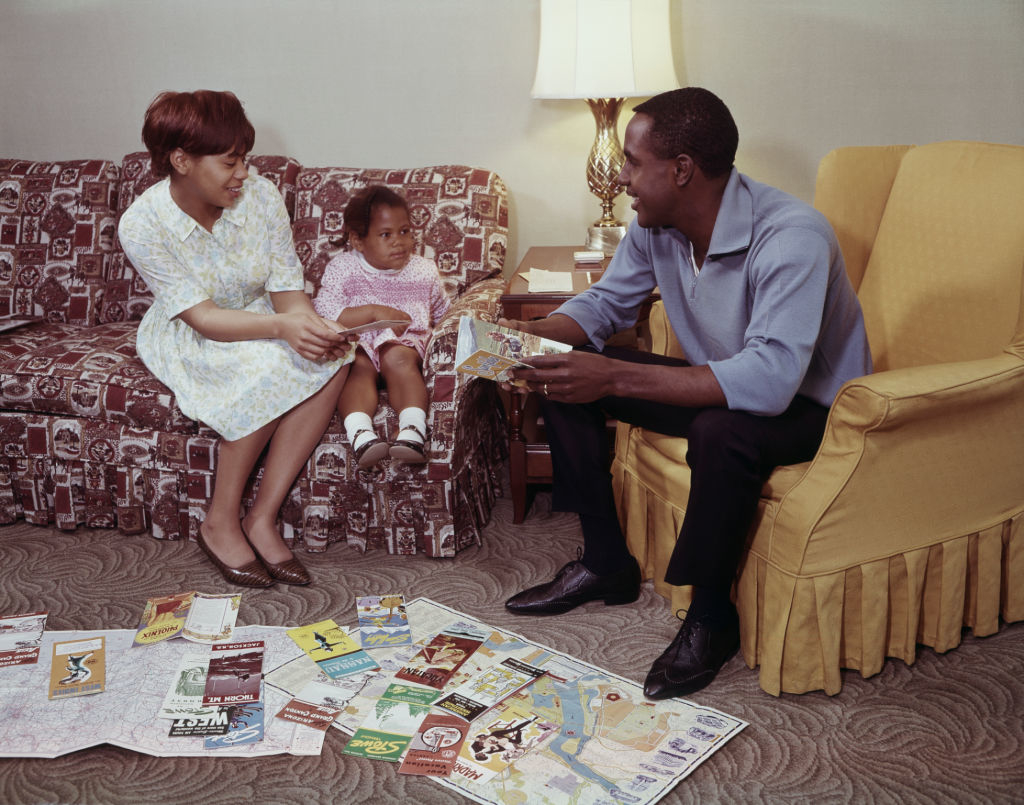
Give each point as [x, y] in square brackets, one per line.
[545, 389]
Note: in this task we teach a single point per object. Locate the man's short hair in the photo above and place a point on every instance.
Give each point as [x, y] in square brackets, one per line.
[692, 121]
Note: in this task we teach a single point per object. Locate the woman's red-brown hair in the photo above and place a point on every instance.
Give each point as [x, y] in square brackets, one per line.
[200, 123]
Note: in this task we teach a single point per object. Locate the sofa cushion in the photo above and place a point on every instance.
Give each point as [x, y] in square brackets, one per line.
[90, 372]
[459, 217]
[57, 229]
[126, 297]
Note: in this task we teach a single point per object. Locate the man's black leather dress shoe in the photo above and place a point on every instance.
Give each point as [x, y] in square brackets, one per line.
[692, 659]
[575, 585]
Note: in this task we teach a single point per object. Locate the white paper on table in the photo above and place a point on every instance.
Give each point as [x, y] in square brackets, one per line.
[542, 281]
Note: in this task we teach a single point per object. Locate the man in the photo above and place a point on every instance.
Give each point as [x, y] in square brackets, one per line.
[756, 291]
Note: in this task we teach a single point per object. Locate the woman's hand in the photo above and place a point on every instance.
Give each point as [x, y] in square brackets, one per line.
[311, 336]
[345, 344]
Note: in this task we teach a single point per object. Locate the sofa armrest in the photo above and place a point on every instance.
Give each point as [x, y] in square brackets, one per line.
[482, 301]
[458, 404]
[899, 465]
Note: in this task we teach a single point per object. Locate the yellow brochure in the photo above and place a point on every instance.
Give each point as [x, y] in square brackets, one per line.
[323, 640]
[163, 618]
[78, 667]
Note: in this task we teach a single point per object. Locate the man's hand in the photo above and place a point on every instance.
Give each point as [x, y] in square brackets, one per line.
[522, 326]
[574, 377]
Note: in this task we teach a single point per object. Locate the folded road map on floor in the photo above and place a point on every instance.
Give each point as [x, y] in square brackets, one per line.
[576, 733]
[610, 744]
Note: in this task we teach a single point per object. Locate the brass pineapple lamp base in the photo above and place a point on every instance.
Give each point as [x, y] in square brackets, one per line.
[603, 167]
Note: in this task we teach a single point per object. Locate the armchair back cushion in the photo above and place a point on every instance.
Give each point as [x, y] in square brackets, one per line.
[943, 280]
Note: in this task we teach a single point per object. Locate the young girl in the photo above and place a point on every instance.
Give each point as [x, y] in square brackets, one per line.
[231, 330]
[382, 279]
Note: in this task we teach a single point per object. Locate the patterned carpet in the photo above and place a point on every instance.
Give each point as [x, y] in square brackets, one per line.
[949, 729]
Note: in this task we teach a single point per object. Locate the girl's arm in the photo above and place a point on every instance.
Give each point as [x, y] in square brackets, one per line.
[364, 314]
[332, 300]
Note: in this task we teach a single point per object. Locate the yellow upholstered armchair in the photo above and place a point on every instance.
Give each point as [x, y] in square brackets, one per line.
[909, 522]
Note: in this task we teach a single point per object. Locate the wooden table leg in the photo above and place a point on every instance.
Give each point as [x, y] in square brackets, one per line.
[517, 457]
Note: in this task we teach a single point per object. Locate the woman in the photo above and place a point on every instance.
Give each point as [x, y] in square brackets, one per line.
[231, 330]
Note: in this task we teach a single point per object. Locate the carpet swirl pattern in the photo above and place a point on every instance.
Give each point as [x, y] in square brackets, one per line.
[948, 729]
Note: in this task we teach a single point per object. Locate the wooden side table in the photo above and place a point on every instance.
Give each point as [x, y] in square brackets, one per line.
[529, 453]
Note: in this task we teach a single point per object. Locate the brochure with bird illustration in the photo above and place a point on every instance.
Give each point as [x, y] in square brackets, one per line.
[490, 351]
[78, 667]
[333, 650]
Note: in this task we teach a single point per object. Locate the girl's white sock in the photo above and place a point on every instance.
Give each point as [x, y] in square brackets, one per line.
[354, 423]
[409, 418]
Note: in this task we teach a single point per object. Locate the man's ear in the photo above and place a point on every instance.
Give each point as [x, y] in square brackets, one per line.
[684, 169]
[180, 161]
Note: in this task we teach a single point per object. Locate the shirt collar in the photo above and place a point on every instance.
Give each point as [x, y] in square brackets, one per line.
[734, 224]
[180, 223]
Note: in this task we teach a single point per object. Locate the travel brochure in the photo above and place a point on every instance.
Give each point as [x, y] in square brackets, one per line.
[330, 647]
[491, 351]
[444, 654]
[382, 621]
[20, 637]
[482, 711]
[389, 729]
[78, 667]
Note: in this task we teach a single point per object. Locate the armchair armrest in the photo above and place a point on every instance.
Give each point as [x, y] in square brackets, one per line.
[461, 410]
[897, 466]
[481, 300]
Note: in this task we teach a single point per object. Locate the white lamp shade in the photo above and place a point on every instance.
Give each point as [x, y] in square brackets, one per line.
[604, 49]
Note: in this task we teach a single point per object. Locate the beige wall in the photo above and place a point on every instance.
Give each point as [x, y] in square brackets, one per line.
[401, 83]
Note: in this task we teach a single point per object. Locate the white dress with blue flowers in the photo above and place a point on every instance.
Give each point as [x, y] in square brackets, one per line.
[235, 387]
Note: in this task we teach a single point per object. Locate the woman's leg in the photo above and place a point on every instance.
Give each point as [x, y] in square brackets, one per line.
[298, 432]
[221, 530]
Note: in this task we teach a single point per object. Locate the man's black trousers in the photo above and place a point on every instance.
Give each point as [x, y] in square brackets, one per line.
[730, 455]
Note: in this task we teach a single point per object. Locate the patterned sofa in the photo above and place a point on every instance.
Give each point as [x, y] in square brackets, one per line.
[90, 437]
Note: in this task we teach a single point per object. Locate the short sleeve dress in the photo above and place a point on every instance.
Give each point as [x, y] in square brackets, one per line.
[415, 288]
[235, 387]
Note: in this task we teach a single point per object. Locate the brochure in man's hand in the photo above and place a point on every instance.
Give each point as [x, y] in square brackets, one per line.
[490, 351]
